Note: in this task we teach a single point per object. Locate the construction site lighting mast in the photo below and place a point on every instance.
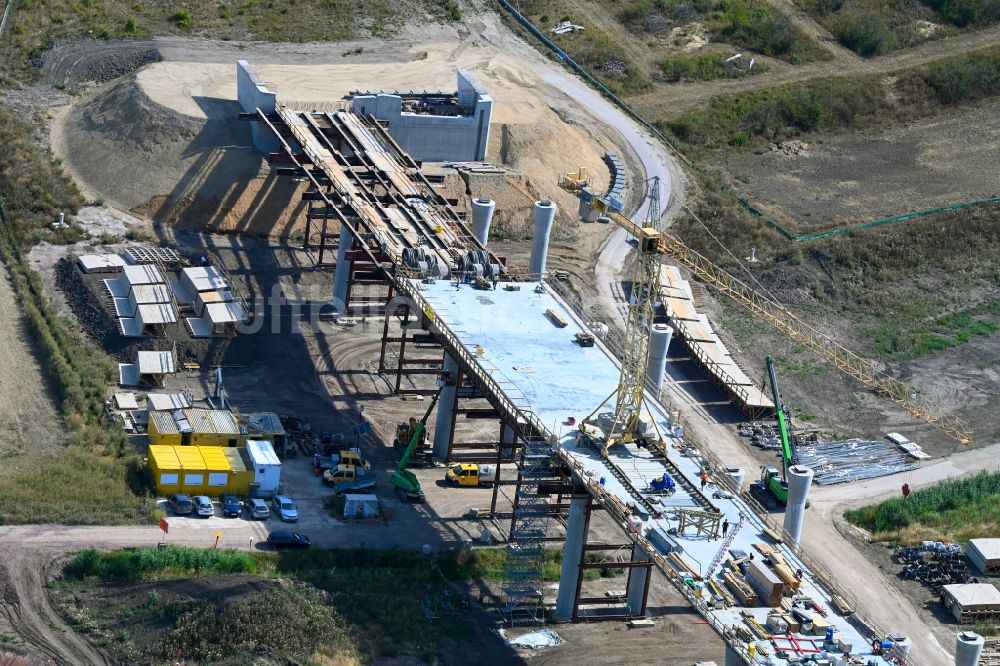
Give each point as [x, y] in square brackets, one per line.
[630, 402]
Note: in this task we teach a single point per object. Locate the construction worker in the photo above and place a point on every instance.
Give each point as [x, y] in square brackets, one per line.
[725, 527]
[704, 479]
[906, 490]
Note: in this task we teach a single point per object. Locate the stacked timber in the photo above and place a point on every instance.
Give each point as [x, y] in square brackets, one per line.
[765, 582]
[743, 592]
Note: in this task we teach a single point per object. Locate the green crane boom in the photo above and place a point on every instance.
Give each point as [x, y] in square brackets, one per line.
[787, 454]
[404, 480]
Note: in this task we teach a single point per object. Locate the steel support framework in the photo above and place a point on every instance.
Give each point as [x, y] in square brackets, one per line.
[581, 615]
[428, 363]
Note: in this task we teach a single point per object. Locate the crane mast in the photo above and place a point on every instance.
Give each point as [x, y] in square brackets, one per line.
[627, 424]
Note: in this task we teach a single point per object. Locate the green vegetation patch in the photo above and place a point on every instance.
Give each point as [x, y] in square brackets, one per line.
[159, 563]
[703, 68]
[954, 510]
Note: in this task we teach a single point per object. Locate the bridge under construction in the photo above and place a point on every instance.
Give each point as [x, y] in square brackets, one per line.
[511, 345]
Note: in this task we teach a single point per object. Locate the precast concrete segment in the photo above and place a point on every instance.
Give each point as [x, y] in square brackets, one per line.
[507, 438]
[342, 270]
[968, 648]
[799, 478]
[482, 215]
[576, 536]
[527, 362]
[659, 343]
[637, 582]
[446, 409]
[733, 657]
[544, 213]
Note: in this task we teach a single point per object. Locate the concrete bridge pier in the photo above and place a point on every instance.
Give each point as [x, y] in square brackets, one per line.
[342, 271]
[637, 591]
[576, 537]
[445, 409]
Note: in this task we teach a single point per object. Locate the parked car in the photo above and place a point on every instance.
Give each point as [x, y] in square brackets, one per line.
[203, 506]
[257, 508]
[288, 539]
[285, 509]
[231, 506]
[181, 504]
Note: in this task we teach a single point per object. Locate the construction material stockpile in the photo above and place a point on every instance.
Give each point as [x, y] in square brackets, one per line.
[852, 460]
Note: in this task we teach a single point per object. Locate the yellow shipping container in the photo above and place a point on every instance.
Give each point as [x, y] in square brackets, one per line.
[217, 470]
[165, 468]
[240, 471]
[212, 427]
[162, 429]
[193, 470]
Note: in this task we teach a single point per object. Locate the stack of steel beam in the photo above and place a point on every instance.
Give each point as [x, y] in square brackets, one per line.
[852, 460]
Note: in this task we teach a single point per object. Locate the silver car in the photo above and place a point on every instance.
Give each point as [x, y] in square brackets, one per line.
[257, 508]
[203, 505]
[285, 509]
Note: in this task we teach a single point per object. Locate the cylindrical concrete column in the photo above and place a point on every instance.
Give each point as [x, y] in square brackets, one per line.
[799, 478]
[635, 594]
[659, 342]
[342, 270]
[733, 657]
[482, 215]
[576, 536]
[545, 213]
[968, 648]
[446, 409]
[738, 475]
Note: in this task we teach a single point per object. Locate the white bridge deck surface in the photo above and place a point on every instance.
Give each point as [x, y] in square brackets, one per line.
[539, 365]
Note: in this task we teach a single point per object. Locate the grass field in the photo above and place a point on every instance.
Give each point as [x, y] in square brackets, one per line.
[954, 510]
[95, 478]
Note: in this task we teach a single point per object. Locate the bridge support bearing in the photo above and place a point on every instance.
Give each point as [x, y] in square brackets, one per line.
[571, 576]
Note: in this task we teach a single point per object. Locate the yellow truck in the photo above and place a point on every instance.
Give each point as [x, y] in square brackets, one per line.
[471, 474]
[348, 479]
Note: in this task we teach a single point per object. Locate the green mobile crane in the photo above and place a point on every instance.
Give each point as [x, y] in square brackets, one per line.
[772, 489]
[405, 481]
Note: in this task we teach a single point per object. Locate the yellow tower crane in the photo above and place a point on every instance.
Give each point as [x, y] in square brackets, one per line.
[626, 424]
[653, 244]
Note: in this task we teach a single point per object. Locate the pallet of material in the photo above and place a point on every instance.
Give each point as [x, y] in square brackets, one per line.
[722, 592]
[556, 319]
[784, 571]
[841, 606]
[743, 592]
[765, 583]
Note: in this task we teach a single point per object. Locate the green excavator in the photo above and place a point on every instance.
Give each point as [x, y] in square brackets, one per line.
[406, 483]
[772, 489]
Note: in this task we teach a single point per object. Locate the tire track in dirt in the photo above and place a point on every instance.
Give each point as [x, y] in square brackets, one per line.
[26, 609]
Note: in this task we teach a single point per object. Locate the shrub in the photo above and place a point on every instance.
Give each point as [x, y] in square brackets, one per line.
[158, 563]
[964, 78]
[182, 18]
[700, 68]
[866, 35]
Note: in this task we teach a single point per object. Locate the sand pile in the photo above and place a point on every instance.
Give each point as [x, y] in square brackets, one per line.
[178, 169]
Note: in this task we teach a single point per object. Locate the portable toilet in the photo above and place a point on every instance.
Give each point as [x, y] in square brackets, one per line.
[266, 468]
[192, 470]
[217, 470]
[165, 469]
[240, 471]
